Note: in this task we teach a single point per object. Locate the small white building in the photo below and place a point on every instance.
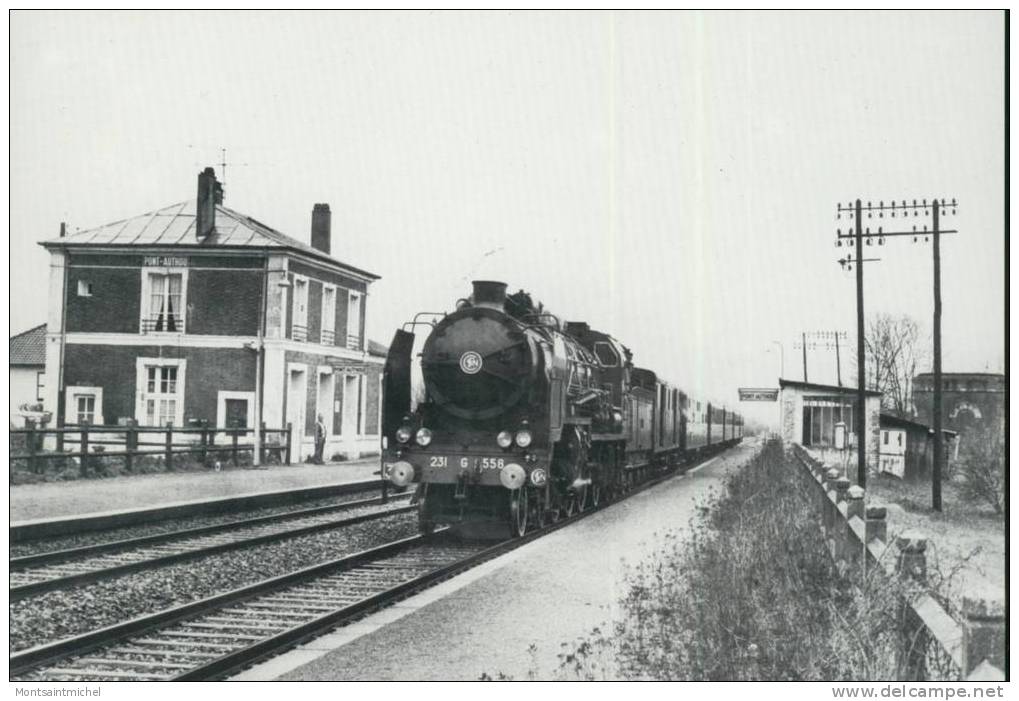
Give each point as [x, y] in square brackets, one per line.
[810, 412]
[28, 374]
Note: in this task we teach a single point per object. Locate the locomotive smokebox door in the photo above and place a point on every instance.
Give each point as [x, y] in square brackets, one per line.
[397, 381]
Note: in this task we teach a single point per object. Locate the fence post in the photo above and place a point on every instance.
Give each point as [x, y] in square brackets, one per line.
[83, 447]
[233, 441]
[169, 446]
[131, 441]
[916, 639]
[912, 560]
[33, 464]
[290, 428]
[877, 527]
[985, 633]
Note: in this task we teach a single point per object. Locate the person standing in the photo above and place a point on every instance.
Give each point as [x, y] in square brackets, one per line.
[320, 440]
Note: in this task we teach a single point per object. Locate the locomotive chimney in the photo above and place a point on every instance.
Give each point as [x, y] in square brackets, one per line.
[488, 293]
[321, 228]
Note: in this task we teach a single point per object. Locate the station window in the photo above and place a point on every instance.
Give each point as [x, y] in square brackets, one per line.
[84, 288]
[83, 405]
[86, 409]
[820, 414]
[328, 315]
[40, 384]
[300, 326]
[354, 321]
[163, 302]
[161, 400]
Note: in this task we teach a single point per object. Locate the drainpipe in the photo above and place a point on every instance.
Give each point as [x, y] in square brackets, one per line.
[259, 350]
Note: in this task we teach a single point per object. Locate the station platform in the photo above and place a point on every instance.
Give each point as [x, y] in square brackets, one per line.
[544, 594]
[49, 500]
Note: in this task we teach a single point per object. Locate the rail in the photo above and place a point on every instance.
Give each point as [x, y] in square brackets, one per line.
[90, 444]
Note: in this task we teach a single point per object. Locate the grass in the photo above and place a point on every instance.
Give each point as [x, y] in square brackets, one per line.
[967, 537]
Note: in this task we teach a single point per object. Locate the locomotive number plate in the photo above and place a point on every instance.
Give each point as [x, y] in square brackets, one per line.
[464, 462]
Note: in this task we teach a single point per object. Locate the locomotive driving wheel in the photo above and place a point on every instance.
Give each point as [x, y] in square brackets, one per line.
[518, 512]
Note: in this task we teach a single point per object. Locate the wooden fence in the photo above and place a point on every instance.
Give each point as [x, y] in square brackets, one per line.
[90, 444]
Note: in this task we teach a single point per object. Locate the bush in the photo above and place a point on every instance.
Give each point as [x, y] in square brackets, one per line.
[983, 469]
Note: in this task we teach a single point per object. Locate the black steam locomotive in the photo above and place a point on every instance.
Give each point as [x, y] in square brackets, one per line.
[526, 419]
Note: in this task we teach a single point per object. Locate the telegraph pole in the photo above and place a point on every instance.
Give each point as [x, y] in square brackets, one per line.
[936, 209]
[939, 447]
[804, 357]
[838, 360]
[861, 371]
[822, 340]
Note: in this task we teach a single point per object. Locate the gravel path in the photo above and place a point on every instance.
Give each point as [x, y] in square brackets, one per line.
[60, 614]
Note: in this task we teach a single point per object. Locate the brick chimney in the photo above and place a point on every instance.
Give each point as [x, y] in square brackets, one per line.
[321, 228]
[210, 193]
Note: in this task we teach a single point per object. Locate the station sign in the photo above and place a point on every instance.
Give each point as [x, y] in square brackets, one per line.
[166, 261]
[756, 394]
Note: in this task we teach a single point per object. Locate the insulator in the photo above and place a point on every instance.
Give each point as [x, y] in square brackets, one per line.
[926, 238]
[868, 240]
[839, 215]
[849, 268]
[839, 244]
[893, 213]
[881, 241]
[953, 211]
[914, 239]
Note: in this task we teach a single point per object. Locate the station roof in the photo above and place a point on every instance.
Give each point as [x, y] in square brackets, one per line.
[29, 347]
[831, 389]
[893, 421]
[175, 226]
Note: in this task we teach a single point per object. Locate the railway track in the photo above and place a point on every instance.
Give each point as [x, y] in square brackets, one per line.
[222, 634]
[35, 574]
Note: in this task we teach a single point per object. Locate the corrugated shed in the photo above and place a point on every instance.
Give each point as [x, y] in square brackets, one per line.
[29, 348]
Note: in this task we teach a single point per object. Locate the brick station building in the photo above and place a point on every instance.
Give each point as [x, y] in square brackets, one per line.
[198, 312]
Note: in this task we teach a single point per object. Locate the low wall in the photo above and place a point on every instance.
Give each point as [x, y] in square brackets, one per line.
[936, 646]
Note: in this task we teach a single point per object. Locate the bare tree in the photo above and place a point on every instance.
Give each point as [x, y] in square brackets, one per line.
[895, 349]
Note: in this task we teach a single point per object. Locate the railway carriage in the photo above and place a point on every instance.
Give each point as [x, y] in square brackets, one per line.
[526, 419]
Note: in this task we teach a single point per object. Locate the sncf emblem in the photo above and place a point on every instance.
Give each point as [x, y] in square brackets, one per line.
[470, 362]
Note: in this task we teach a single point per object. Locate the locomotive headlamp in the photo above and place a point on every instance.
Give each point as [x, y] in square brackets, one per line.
[504, 439]
[538, 477]
[423, 437]
[524, 438]
[403, 434]
[512, 476]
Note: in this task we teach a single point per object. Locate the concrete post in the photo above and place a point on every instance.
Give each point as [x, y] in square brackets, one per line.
[854, 502]
[877, 527]
[985, 632]
[912, 560]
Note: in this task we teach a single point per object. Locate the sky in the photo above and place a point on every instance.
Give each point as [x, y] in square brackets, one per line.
[671, 178]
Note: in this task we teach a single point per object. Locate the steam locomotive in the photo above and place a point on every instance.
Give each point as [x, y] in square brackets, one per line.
[526, 419]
